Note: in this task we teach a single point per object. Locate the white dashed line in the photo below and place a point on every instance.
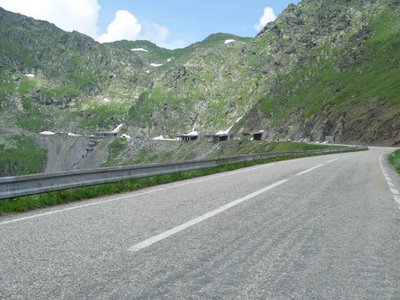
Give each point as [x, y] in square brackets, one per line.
[309, 170]
[192, 181]
[136, 194]
[131, 195]
[392, 186]
[177, 229]
[332, 160]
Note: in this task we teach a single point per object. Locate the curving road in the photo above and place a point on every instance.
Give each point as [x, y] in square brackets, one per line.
[325, 227]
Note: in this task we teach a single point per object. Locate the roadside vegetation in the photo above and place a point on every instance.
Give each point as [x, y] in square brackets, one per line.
[32, 202]
[125, 154]
[21, 156]
[394, 159]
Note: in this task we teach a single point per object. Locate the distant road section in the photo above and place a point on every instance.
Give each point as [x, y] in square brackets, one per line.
[320, 227]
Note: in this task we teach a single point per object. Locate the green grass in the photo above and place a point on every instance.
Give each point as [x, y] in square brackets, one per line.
[101, 116]
[372, 77]
[293, 146]
[60, 91]
[394, 159]
[157, 53]
[114, 149]
[22, 158]
[27, 203]
[175, 152]
[26, 85]
[35, 118]
[7, 87]
[31, 121]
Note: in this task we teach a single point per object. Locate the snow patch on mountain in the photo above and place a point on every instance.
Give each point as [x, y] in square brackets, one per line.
[47, 133]
[117, 129]
[229, 41]
[139, 50]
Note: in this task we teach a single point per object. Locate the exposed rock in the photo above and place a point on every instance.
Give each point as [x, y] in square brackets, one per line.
[309, 74]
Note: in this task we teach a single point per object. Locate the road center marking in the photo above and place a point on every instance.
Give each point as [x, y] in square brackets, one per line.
[309, 170]
[332, 160]
[177, 229]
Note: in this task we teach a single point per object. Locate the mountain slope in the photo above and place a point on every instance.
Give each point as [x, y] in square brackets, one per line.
[77, 84]
[208, 87]
[332, 69]
[323, 68]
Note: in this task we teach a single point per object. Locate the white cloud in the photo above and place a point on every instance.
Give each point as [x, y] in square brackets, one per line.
[176, 44]
[267, 17]
[156, 33]
[79, 15]
[160, 35]
[124, 27]
[82, 16]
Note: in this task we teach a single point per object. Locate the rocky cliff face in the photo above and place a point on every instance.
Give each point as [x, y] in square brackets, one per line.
[331, 68]
[322, 68]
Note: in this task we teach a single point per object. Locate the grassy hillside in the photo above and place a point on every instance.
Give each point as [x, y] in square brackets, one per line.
[201, 88]
[21, 156]
[323, 68]
[343, 83]
[125, 153]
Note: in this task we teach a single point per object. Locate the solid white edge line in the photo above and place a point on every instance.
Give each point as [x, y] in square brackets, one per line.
[177, 229]
[392, 187]
[309, 170]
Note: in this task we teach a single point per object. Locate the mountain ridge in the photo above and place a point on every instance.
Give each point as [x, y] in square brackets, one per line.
[322, 68]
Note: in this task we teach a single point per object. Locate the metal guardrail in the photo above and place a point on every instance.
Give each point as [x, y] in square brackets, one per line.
[11, 187]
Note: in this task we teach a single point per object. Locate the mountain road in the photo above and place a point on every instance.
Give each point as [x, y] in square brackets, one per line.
[325, 227]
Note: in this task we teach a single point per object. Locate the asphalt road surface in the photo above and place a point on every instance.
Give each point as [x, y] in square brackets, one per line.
[326, 227]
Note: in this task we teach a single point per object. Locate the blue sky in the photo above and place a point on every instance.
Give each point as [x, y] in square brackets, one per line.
[169, 23]
[194, 20]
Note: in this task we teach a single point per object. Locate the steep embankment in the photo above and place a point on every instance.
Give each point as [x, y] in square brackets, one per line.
[143, 152]
[72, 153]
[332, 68]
